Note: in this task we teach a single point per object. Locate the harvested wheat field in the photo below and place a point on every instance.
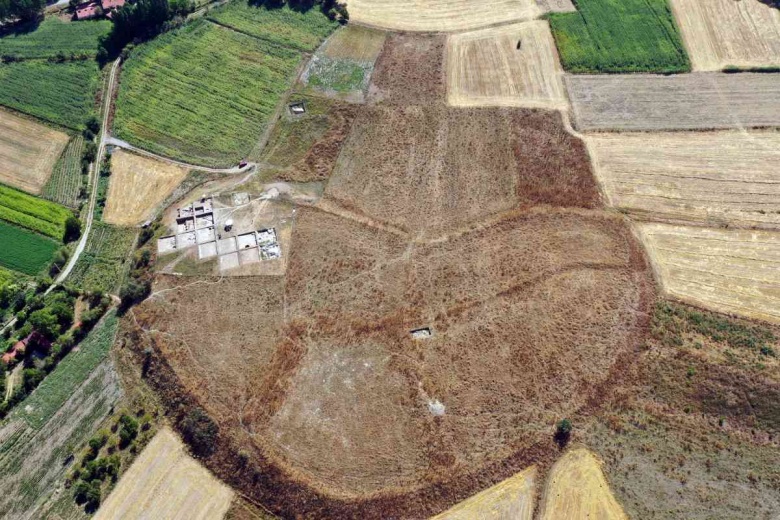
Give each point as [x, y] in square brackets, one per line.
[698, 101]
[138, 185]
[512, 499]
[726, 270]
[723, 33]
[440, 15]
[28, 152]
[429, 169]
[577, 490]
[487, 68]
[712, 178]
[165, 483]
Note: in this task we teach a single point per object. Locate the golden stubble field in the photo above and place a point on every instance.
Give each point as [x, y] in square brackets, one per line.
[137, 185]
[28, 152]
[165, 483]
[577, 489]
[440, 15]
[712, 178]
[726, 270]
[721, 33]
[486, 68]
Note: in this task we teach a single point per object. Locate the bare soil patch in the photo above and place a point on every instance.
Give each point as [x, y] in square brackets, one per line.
[410, 70]
[722, 33]
[440, 15]
[714, 178]
[682, 102]
[576, 488]
[426, 169]
[28, 152]
[138, 185]
[512, 65]
[727, 270]
[165, 482]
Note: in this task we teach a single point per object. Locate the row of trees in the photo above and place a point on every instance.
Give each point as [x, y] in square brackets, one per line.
[23, 10]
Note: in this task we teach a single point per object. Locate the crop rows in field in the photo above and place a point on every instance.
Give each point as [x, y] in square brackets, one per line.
[73, 370]
[298, 30]
[55, 37]
[619, 36]
[66, 179]
[32, 213]
[62, 93]
[103, 263]
[202, 93]
[24, 251]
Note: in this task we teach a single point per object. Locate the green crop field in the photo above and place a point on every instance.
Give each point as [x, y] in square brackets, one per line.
[69, 374]
[202, 93]
[53, 37]
[103, 263]
[619, 36]
[24, 251]
[303, 31]
[62, 93]
[65, 182]
[32, 213]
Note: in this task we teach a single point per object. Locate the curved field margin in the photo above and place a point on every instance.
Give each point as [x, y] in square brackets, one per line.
[440, 15]
[727, 33]
[577, 490]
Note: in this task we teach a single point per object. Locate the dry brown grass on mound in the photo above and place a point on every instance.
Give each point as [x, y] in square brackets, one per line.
[534, 318]
[410, 70]
[427, 169]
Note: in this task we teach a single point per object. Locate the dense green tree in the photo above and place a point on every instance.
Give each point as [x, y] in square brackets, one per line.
[72, 229]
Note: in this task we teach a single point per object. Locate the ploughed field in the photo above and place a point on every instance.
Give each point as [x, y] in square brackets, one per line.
[497, 243]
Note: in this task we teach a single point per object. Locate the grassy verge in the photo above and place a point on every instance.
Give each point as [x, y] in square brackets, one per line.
[70, 373]
[619, 36]
[104, 262]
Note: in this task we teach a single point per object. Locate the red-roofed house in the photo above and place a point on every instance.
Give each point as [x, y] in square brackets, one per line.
[21, 346]
[90, 9]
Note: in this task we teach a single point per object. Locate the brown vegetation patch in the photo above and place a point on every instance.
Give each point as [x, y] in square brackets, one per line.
[28, 152]
[410, 70]
[426, 169]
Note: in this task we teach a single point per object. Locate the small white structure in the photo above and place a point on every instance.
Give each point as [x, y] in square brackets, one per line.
[436, 407]
[166, 245]
[226, 245]
[266, 237]
[247, 240]
[229, 224]
[207, 250]
[271, 252]
[423, 333]
[206, 235]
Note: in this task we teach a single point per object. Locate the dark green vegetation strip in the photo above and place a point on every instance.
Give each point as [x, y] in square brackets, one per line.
[54, 37]
[70, 373]
[24, 251]
[32, 213]
[103, 263]
[62, 93]
[298, 30]
[65, 182]
[619, 36]
[204, 93]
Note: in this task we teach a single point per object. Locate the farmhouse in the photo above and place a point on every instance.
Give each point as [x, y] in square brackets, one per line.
[89, 10]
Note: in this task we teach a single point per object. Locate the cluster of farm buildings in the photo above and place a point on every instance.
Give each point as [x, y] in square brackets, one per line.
[97, 8]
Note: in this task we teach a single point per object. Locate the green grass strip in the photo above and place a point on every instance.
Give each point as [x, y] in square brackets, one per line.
[54, 37]
[36, 214]
[24, 251]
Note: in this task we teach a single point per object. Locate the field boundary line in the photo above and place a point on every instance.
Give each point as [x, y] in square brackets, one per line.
[119, 143]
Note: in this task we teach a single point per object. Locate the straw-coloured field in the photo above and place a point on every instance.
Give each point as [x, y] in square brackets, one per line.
[721, 33]
[726, 270]
[513, 65]
[701, 101]
[164, 482]
[138, 184]
[712, 178]
[354, 42]
[28, 152]
[440, 15]
[576, 489]
[512, 499]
